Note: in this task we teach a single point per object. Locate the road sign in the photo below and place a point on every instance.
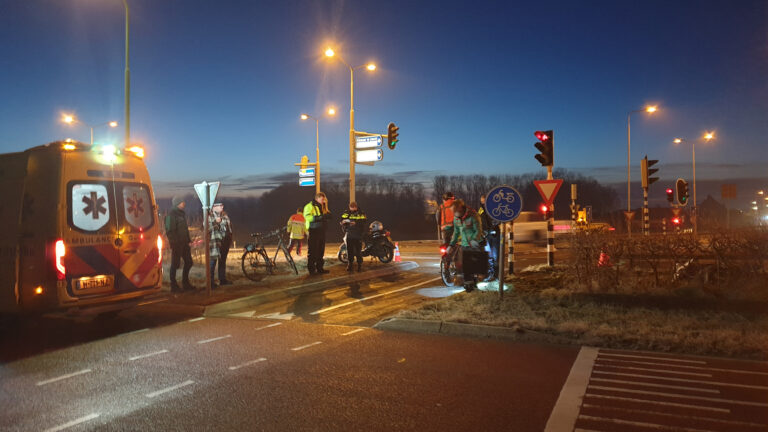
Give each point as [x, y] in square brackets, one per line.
[307, 172]
[207, 192]
[369, 141]
[629, 215]
[548, 189]
[676, 210]
[373, 155]
[503, 203]
[306, 181]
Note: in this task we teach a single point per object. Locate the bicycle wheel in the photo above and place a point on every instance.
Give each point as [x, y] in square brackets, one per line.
[255, 264]
[448, 272]
[343, 254]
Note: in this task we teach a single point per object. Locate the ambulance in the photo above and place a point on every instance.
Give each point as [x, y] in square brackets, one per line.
[80, 231]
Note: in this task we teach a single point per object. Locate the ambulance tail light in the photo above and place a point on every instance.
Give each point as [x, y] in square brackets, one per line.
[159, 249]
[59, 252]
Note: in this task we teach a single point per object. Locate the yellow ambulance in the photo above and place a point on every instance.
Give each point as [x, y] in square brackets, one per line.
[80, 229]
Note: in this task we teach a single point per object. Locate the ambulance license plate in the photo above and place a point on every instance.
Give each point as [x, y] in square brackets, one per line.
[95, 283]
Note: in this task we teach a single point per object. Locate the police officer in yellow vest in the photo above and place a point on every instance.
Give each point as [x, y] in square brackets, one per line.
[316, 215]
[353, 221]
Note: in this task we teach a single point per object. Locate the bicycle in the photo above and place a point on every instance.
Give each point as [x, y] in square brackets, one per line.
[255, 261]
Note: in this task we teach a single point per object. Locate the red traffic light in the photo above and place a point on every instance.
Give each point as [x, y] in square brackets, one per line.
[541, 135]
[669, 191]
[543, 208]
[676, 221]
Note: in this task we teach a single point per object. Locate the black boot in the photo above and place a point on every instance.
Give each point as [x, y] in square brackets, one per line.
[359, 266]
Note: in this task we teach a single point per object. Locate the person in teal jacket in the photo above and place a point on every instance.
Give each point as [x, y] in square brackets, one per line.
[468, 228]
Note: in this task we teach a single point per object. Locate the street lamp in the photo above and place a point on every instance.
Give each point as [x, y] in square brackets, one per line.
[127, 80]
[70, 119]
[331, 111]
[371, 67]
[707, 136]
[650, 109]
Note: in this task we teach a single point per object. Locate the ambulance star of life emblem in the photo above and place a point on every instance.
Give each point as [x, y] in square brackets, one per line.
[135, 205]
[94, 205]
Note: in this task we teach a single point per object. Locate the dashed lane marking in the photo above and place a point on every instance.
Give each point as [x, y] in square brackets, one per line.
[352, 332]
[306, 346]
[171, 388]
[63, 377]
[248, 363]
[135, 331]
[640, 424]
[149, 302]
[147, 355]
[679, 396]
[330, 308]
[268, 326]
[660, 403]
[715, 383]
[74, 422]
[647, 384]
[205, 341]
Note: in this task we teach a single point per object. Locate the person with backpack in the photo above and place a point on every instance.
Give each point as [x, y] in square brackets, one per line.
[177, 232]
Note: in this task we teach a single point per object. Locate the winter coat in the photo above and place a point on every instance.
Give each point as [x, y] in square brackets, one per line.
[467, 227]
[355, 231]
[176, 228]
[297, 226]
[444, 214]
[217, 231]
[489, 224]
[315, 215]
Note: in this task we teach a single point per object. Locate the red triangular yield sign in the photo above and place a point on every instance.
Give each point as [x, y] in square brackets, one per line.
[548, 189]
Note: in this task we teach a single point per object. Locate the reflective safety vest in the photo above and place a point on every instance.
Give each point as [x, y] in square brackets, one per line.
[446, 213]
[311, 210]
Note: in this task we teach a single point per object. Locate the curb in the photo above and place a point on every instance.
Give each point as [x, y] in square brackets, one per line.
[279, 294]
[518, 334]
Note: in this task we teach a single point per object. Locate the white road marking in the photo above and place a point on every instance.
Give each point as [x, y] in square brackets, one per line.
[171, 388]
[656, 370]
[604, 354]
[641, 424]
[246, 314]
[714, 383]
[269, 325]
[248, 363]
[330, 308]
[352, 332]
[673, 414]
[739, 371]
[214, 339]
[74, 422]
[135, 331]
[566, 409]
[147, 355]
[655, 402]
[681, 396]
[63, 377]
[149, 302]
[305, 346]
[647, 384]
[196, 319]
[277, 315]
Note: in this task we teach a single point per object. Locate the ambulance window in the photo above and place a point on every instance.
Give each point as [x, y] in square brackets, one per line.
[90, 206]
[137, 205]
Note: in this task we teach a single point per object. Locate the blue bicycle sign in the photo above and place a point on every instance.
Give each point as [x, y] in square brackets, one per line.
[504, 203]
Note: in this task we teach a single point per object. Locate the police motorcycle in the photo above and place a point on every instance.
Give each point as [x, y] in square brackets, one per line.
[377, 243]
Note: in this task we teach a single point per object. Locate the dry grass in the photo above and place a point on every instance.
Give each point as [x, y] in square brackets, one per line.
[536, 304]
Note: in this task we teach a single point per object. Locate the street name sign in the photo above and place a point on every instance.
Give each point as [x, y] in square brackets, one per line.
[548, 189]
[503, 203]
[373, 155]
[306, 181]
[307, 172]
[368, 141]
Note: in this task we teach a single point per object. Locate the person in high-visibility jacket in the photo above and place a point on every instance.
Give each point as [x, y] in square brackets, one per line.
[316, 215]
[444, 217]
[297, 229]
[353, 221]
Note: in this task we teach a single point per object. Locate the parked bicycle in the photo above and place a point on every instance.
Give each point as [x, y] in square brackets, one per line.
[256, 262]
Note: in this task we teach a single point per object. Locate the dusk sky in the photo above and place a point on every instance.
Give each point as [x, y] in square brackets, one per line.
[217, 86]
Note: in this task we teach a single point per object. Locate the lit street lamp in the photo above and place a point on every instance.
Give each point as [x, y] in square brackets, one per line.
[650, 110]
[331, 111]
[71, 119]
[707, 136]
[127, 80]
[371, 67]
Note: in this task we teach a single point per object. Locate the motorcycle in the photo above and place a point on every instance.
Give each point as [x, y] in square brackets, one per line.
[377, 244]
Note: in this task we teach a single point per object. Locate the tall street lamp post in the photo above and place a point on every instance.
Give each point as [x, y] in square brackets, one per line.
[650, 110]
[127, 79]
[371, 67]
[331, 111]
[71, 119]
[708, 136]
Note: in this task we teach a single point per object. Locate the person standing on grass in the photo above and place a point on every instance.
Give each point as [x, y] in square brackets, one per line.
[177, 232]
[316, 215]
[353, 221]
[297, 228]
[220, 219]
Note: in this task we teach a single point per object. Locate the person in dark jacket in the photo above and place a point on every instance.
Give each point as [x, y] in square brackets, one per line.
[316, 216]
[353, 221]
[177, 231]
[492, 234]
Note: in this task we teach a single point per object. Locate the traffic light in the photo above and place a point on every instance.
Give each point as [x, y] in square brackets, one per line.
[682, 191]
[546, 146]
[670, 195]
[675, 220]
[543, 209]
[647, 172]
[392, 135]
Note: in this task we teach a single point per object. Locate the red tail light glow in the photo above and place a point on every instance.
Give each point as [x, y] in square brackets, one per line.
[59, 252]
[159, 249]
[443, 250]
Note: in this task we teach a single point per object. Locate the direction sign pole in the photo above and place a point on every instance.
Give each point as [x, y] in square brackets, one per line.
[207, 237]
[502, 248]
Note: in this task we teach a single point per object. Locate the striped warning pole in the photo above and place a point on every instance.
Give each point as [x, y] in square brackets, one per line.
[511, 247]
[646, 216]
[551, 235]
